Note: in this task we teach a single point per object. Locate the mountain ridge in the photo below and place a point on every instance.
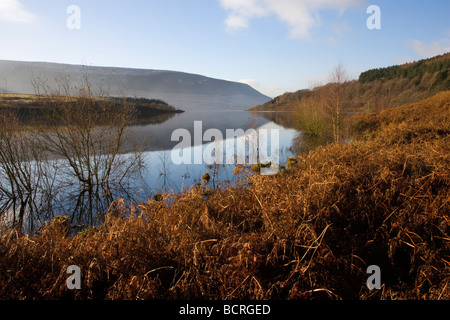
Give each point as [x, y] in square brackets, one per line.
[184, 90]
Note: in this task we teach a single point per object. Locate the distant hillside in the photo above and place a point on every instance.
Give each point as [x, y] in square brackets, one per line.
[182, 90]
[381, 88]
[285, 102]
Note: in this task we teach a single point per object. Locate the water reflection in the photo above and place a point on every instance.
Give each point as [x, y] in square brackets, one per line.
[161, 174]
[64, 194]
[285, 119]
[157, 136]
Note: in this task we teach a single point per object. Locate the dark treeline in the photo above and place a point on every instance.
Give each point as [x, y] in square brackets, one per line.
[439, 65]
[33, 110]
[146, 106]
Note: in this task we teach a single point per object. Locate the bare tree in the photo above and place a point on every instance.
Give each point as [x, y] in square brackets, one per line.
[88, 131]
[313, 120]
[24, 183]
[334, 99]
[77, 163]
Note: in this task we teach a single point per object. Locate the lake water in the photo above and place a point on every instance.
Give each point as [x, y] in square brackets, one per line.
[161, 173]
[59, 192]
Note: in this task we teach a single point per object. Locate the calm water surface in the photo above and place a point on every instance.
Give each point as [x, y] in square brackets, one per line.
[161, 173]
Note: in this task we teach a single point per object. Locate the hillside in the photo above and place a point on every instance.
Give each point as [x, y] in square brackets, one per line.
[416, 70]
[182, 90]
[286, 102]
[308, 233]
[380, 88]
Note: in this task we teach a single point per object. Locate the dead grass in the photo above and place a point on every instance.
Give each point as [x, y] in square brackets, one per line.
[309, 233]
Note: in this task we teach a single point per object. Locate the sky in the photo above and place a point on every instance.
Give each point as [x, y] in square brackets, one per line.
[275, 46]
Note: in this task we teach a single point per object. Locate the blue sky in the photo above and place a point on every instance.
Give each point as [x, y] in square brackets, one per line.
[274, 45]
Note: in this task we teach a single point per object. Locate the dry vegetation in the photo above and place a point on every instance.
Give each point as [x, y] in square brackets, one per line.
[309, 233]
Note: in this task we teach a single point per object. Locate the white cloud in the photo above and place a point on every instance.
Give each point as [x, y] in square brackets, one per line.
[299, 15]
[236, 22]
[13, 11]
[428, 50]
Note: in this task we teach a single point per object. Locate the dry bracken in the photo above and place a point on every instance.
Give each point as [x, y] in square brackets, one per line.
[308, 233]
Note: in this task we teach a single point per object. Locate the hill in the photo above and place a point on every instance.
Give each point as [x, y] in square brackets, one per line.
[380, 88]
[286, 102]
[182, 90]
[309, 233]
